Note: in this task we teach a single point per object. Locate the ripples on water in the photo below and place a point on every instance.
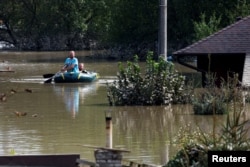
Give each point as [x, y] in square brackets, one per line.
[63, 117]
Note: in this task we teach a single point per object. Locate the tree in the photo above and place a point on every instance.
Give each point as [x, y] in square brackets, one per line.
[205, 28]
[182, 16]
[60, 24]
[134, 21]
[8, 9]
[242, 9]
[30, 24]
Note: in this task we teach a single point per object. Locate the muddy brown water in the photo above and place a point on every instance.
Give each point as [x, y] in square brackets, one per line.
[63, 117]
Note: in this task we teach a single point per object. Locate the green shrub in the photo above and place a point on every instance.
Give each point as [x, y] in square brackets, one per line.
[190, 155]
[233, 136]
[209, 101]
[159, 84]
[213, 99]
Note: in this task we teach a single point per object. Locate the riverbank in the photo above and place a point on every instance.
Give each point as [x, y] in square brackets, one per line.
[115, 52]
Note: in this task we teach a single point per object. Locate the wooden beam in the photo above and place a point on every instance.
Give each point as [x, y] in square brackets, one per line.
[61, 160]
[105, 148]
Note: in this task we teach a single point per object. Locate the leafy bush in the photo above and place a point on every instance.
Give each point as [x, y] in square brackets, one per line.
[209, 101]
[194, 149]
[233, 135]
[190, 155]
[213, 99]
[159, 84]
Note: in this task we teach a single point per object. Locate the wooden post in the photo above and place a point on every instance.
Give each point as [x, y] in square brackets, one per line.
[162, 39]
[109, 129]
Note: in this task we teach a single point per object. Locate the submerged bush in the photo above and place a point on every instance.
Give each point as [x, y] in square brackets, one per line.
[159, 84]
[233, 136]
[215, 100]
[209, 101]
[190, 155]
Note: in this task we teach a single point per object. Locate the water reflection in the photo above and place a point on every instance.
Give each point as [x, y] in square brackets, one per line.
[144, 128]
[74, 94]
[148, 132]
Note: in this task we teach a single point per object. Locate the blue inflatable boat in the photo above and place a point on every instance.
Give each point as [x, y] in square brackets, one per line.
[71, 77]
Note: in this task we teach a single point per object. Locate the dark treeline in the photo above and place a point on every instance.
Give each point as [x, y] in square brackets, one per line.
[78, 24]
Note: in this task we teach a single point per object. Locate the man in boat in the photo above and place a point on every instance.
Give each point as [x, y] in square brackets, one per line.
[71, 63]
[81, 68]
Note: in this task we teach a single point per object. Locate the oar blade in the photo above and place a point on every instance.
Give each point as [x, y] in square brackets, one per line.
[48, 75]
[48, 80]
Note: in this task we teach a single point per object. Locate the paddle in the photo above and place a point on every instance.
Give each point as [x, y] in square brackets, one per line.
[51, 78]
[48, 75]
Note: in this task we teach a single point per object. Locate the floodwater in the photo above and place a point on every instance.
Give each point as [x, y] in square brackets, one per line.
[67, 118]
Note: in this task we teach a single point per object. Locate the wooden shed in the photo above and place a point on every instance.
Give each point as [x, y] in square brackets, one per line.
[224, 52]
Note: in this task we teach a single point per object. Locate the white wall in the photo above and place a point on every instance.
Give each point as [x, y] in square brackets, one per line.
[246, 71]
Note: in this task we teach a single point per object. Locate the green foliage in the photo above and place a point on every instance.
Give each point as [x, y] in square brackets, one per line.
[183, 15]
[122, 22]
[213, 99]
[209, 101]
[235, 134]
[231, 136]
[25, 21]
[133, 21]
[205, 28]
[242, 9]
[191, 150]
[194, 145]
[190, 155]
[159, 84]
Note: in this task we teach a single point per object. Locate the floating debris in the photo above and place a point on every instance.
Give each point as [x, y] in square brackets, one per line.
[19, 114]
[3, 97]
[12, 91]
[35, 115]
[29, 90]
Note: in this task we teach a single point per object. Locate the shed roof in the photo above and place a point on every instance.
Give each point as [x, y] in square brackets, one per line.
[234, 38]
